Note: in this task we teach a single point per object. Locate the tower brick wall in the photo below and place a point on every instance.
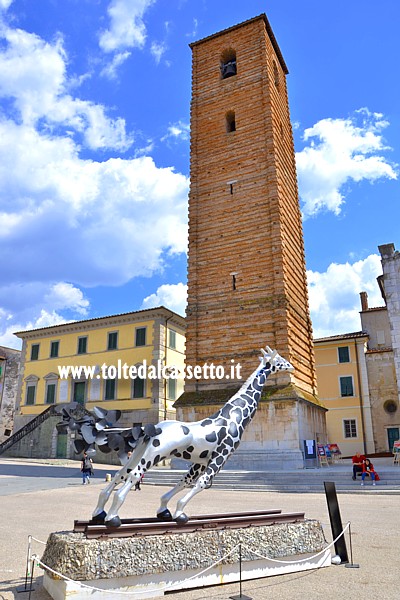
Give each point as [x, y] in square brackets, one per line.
[246, 274]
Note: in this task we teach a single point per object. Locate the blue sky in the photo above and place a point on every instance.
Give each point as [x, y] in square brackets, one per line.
[94, 151]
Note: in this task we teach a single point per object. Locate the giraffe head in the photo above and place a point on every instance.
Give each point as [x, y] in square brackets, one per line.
[273, 361]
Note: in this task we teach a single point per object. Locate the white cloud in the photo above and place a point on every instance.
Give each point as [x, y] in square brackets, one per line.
[341, 151]
[157, 49]
[64, 218]
[127, 28]
[33, 305]
[33, 74]
[5, 4]
[110, 70]
[173, 296]
[335, 295]
[179, 130]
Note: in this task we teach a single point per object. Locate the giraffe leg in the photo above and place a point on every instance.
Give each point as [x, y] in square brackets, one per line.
[99, 514]
[191, 476]
[202, 482]
[112, 519]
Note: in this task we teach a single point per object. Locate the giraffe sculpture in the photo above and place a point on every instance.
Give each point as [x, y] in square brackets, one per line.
[207, 444]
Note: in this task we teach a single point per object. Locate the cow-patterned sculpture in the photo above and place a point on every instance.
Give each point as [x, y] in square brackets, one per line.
[207, 444]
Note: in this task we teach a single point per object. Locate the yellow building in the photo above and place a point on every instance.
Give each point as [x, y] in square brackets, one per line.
[343, 389]
[117, 362]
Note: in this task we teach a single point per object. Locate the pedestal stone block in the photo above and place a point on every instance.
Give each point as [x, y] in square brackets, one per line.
[152, 565]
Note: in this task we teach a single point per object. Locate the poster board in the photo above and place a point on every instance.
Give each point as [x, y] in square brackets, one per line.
[334, 451]
[322, 456]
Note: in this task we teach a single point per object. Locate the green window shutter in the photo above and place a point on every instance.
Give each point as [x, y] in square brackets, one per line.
[140, 336]
[82, 345]
[54, 349]
[35, 352]
[172, 388]
[344, 354]
[110, 389]
[172, 339]
[346, 386]
[112, 340]
[30, 394]
[138, 388]
[51, 393]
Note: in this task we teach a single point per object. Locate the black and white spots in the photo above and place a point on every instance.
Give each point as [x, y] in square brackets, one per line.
[207, 444]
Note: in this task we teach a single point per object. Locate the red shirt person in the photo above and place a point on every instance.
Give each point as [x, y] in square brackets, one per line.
[358, 460]
[368, 470]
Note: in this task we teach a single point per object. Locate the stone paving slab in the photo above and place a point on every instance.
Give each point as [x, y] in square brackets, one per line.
[375, 524]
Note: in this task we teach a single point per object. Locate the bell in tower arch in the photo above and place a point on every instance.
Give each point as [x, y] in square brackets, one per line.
[228, 63]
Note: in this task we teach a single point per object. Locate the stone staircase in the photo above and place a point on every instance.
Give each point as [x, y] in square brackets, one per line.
[305, 480]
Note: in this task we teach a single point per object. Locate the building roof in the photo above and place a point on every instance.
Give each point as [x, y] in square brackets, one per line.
[268, 27]
[372, 309]
[342, 336]
[124, 317]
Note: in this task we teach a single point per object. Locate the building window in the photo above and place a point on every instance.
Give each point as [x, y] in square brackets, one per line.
[35, 351]
[344, 354]
[138, 388]
[346, 386]
[112, 340]
[140, 336]
[109, 393]
[172, 339]
[51, 393]
[30, 394]
[54, 347]
[82, 345]
[228, 64]
[171, 391]
[230, 121]
[276, 74]
[350, 428]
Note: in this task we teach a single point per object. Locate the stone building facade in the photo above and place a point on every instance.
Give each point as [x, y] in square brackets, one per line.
[151, 338]
[246, 275]
[343, 387]
[383, 355]
[9, 370]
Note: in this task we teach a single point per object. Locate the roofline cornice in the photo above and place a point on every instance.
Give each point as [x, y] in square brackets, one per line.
[108, 321]
[342, 337]
[268, 27]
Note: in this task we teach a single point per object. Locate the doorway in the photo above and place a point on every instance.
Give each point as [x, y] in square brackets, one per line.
[61, 451]
[79, 392]
[393, 434]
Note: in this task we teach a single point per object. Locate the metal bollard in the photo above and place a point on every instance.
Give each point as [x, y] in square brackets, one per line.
[108, 476]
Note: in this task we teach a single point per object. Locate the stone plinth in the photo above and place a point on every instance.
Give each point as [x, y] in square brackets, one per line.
[152, 565]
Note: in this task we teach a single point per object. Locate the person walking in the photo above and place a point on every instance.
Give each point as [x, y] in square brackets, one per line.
[86, 468]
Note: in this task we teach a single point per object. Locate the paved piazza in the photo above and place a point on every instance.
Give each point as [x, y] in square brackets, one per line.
[36, 499]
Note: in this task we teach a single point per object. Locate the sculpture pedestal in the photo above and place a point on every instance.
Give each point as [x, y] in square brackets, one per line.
[155, 564]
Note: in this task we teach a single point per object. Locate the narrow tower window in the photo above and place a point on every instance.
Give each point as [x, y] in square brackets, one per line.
[233, 275]
[230, 121]
[228, 63]
[276, 75]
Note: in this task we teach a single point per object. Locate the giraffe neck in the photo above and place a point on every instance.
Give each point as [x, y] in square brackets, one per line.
[249, 394]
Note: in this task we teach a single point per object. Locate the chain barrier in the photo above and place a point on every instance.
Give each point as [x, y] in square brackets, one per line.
[33, 558]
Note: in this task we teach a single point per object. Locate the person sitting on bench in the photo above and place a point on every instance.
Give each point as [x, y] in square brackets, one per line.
[358, 460]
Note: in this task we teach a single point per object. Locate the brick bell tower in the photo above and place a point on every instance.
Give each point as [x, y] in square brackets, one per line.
[246, 274]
